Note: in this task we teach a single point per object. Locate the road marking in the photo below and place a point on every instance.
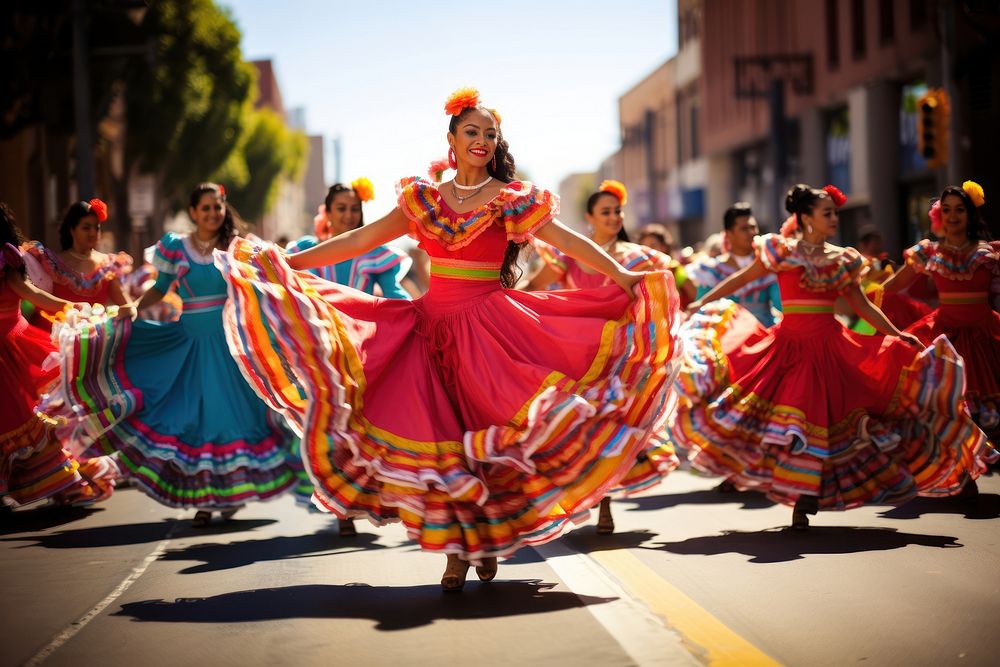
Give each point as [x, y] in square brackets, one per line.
[70, 631]
[642, 634]
[704, 635]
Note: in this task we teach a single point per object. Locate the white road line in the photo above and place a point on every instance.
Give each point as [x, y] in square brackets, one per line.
[640, 632]
[70, 631]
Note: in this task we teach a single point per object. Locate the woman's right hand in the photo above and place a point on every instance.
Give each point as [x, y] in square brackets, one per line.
[694, 306]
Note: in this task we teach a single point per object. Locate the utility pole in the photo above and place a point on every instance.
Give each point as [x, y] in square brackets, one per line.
[946, 19]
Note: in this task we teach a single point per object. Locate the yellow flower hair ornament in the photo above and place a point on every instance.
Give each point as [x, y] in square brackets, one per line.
[975, 192]
[616, 188]
[461, 99]
[364, 189]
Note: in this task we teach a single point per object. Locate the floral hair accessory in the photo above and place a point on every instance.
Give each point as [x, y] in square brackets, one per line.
[937, 224]
[461, 99]
[99, 208]
[222, 190]
[790, 226]
[363, 188]
[616, 188]
[320, 221]
[838, 197]
[496, 115]
[975, 192]
[437, 169]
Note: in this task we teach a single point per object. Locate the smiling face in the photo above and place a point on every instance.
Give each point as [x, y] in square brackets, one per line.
[344, 213]
[86, 234]
[823, 218]
[741, 234]
[955, 217]
[606, 217]
[209, 214]
[475, 138]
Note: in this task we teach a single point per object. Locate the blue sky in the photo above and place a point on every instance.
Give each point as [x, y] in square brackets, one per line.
[377, 75]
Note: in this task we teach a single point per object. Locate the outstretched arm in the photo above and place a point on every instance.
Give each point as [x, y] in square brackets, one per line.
[40, 298]
[544, 277]
[352, 243]
[900, 280]
[732, 284]
[584, 250]
[869, 312]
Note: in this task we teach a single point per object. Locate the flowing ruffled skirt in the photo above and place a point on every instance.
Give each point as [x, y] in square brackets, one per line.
[808, 408]
[482, 418]
[33, 464]
[168, 400]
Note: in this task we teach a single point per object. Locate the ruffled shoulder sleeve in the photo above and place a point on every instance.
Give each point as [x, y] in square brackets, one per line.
[640, 258]
[170, 260]
[919, 255]
[304, 243]
[119, 264]
[525, 207]
[420, 202]
[39, 263]
[773, 251]
[10, 259]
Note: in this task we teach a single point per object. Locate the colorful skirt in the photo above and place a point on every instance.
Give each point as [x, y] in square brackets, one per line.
[169, 402]
[483, 418]
[809, 408]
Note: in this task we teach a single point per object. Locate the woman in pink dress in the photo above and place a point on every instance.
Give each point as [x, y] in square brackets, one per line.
[604, 214]
[809, 412]
[482, 417]
[965, 267]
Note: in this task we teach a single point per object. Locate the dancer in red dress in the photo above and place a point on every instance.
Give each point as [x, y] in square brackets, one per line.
[604, 214]
[965, 267]
[809, 412]
[33, 464]
[483, 417]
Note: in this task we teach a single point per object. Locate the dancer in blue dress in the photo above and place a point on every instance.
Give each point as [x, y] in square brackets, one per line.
[202, 438]
[383, 266]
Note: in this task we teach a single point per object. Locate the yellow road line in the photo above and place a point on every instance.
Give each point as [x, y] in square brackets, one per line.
[706, 636]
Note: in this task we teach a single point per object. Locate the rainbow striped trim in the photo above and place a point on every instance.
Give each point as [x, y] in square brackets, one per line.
[458, 269]
[963, 298]
[807, 307]
[204, 304]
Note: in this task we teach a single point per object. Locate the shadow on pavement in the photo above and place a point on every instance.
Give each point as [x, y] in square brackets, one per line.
[588, 541]
[391, 607]
[746, 499]
[782, 545]
[43, 518]
[985, 506]
[226, 556]
[134, 533]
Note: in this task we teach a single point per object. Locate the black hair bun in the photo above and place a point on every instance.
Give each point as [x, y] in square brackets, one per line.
[796, 197]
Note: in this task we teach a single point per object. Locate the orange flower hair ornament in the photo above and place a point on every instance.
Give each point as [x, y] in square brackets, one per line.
[838, 197]
[975, 192]
[363, 188]
[460, 100]
[616, 188]
[437, 169]
[99, 208]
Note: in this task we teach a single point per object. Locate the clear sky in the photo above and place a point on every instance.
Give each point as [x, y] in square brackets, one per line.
[377, 74]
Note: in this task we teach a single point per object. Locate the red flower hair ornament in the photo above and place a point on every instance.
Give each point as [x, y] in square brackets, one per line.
[99, 209]
[838, 197]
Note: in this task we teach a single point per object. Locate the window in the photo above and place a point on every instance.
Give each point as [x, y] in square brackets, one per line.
[886, 22]
[858, 29]
[832, 35]
[694, 131]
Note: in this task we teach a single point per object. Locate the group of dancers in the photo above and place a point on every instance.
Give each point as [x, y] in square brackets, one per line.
[482, 416]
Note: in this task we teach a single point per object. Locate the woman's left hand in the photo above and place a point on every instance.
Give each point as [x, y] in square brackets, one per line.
[627, 280]
[911, 339]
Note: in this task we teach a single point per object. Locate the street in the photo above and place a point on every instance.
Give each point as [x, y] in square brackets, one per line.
[691, 576]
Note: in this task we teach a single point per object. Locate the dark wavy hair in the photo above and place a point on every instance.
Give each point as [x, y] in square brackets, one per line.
[976, 230]
[504, 172]
[592, 204]
[232, 225]
[737, 210]
[335, 190]
[74, 214]
[802, 199]
[9, 232]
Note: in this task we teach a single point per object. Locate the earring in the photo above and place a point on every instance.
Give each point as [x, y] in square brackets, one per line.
[809, 228]
[452, 162]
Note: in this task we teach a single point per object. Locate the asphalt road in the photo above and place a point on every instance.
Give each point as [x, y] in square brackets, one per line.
[690, 577]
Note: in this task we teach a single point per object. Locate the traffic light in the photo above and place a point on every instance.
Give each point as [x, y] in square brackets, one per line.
[933, 110]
